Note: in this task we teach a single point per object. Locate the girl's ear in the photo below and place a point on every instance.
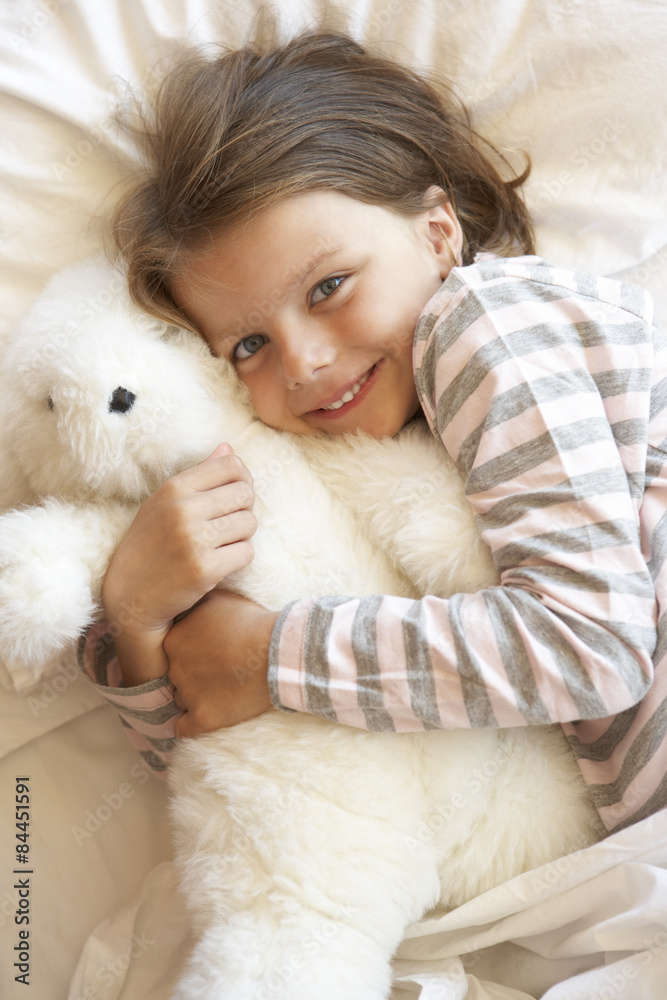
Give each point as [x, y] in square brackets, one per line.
[443, 229]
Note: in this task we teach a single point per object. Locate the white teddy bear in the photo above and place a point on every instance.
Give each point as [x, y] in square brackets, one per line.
[305, 848]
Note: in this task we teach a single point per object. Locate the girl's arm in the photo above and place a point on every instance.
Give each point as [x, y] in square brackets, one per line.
[538, 383]
[185, 538]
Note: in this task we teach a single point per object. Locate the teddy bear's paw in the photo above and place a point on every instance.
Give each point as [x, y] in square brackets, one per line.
[45, 592]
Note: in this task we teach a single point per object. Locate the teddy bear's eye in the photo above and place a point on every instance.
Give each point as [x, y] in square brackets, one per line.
[50, 401]
[121, 400]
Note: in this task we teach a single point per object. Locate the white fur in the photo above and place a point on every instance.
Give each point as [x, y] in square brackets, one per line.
[305, 848]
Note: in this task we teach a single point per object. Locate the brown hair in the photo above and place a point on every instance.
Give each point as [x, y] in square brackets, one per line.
[229, 136]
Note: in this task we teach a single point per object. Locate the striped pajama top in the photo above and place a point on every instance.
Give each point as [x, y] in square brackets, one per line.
[549, 389]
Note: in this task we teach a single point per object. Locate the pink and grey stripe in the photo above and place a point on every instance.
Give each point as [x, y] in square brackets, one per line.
[147, 712]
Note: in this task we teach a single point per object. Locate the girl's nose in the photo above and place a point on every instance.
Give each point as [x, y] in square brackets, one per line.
[303, 352]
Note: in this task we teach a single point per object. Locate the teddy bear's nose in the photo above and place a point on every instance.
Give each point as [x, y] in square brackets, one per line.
[121, 400]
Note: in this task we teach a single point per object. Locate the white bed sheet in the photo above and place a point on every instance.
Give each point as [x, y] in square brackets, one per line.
[580, 84]
[98, 825]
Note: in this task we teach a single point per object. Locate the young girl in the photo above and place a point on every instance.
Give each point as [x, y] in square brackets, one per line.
[332, 225]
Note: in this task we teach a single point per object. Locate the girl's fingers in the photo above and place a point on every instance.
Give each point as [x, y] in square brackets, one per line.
[229, 559]
[210, 490]
[224, 499]
[200, 510]
[235, 527]
[220, 449]
[216, 470]
[208, 567]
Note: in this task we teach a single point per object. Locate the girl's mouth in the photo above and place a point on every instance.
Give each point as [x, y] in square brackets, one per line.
[351, 398]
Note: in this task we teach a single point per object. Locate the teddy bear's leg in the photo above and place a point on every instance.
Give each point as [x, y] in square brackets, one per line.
[52, 562]
[296, 861]
[284, 942]
[323, 959]
[530, 806]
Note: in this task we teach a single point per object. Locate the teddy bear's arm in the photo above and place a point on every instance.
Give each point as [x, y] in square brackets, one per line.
[53, 558]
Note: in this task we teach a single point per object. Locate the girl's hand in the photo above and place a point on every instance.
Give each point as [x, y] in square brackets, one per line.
[218, 662]
[191, 534]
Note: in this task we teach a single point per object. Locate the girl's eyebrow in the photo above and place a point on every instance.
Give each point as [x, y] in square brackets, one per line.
[320, 255]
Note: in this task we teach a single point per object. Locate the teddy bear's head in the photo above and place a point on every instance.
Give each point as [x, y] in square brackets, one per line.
[100, 401]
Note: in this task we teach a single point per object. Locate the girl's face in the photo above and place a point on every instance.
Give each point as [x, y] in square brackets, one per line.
[315, 303]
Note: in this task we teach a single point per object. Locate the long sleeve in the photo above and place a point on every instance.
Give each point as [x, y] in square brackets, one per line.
[147, 711]
[537, 381]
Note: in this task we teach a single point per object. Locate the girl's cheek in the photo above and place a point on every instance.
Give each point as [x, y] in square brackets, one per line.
[265, 399]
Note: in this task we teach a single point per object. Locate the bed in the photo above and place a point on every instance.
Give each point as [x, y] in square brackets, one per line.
[580, 85]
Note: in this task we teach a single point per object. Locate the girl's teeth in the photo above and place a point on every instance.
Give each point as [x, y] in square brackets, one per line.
[347, 397]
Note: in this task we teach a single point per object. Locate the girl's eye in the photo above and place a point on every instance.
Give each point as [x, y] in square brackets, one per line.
[325, 289]
[248, 346]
